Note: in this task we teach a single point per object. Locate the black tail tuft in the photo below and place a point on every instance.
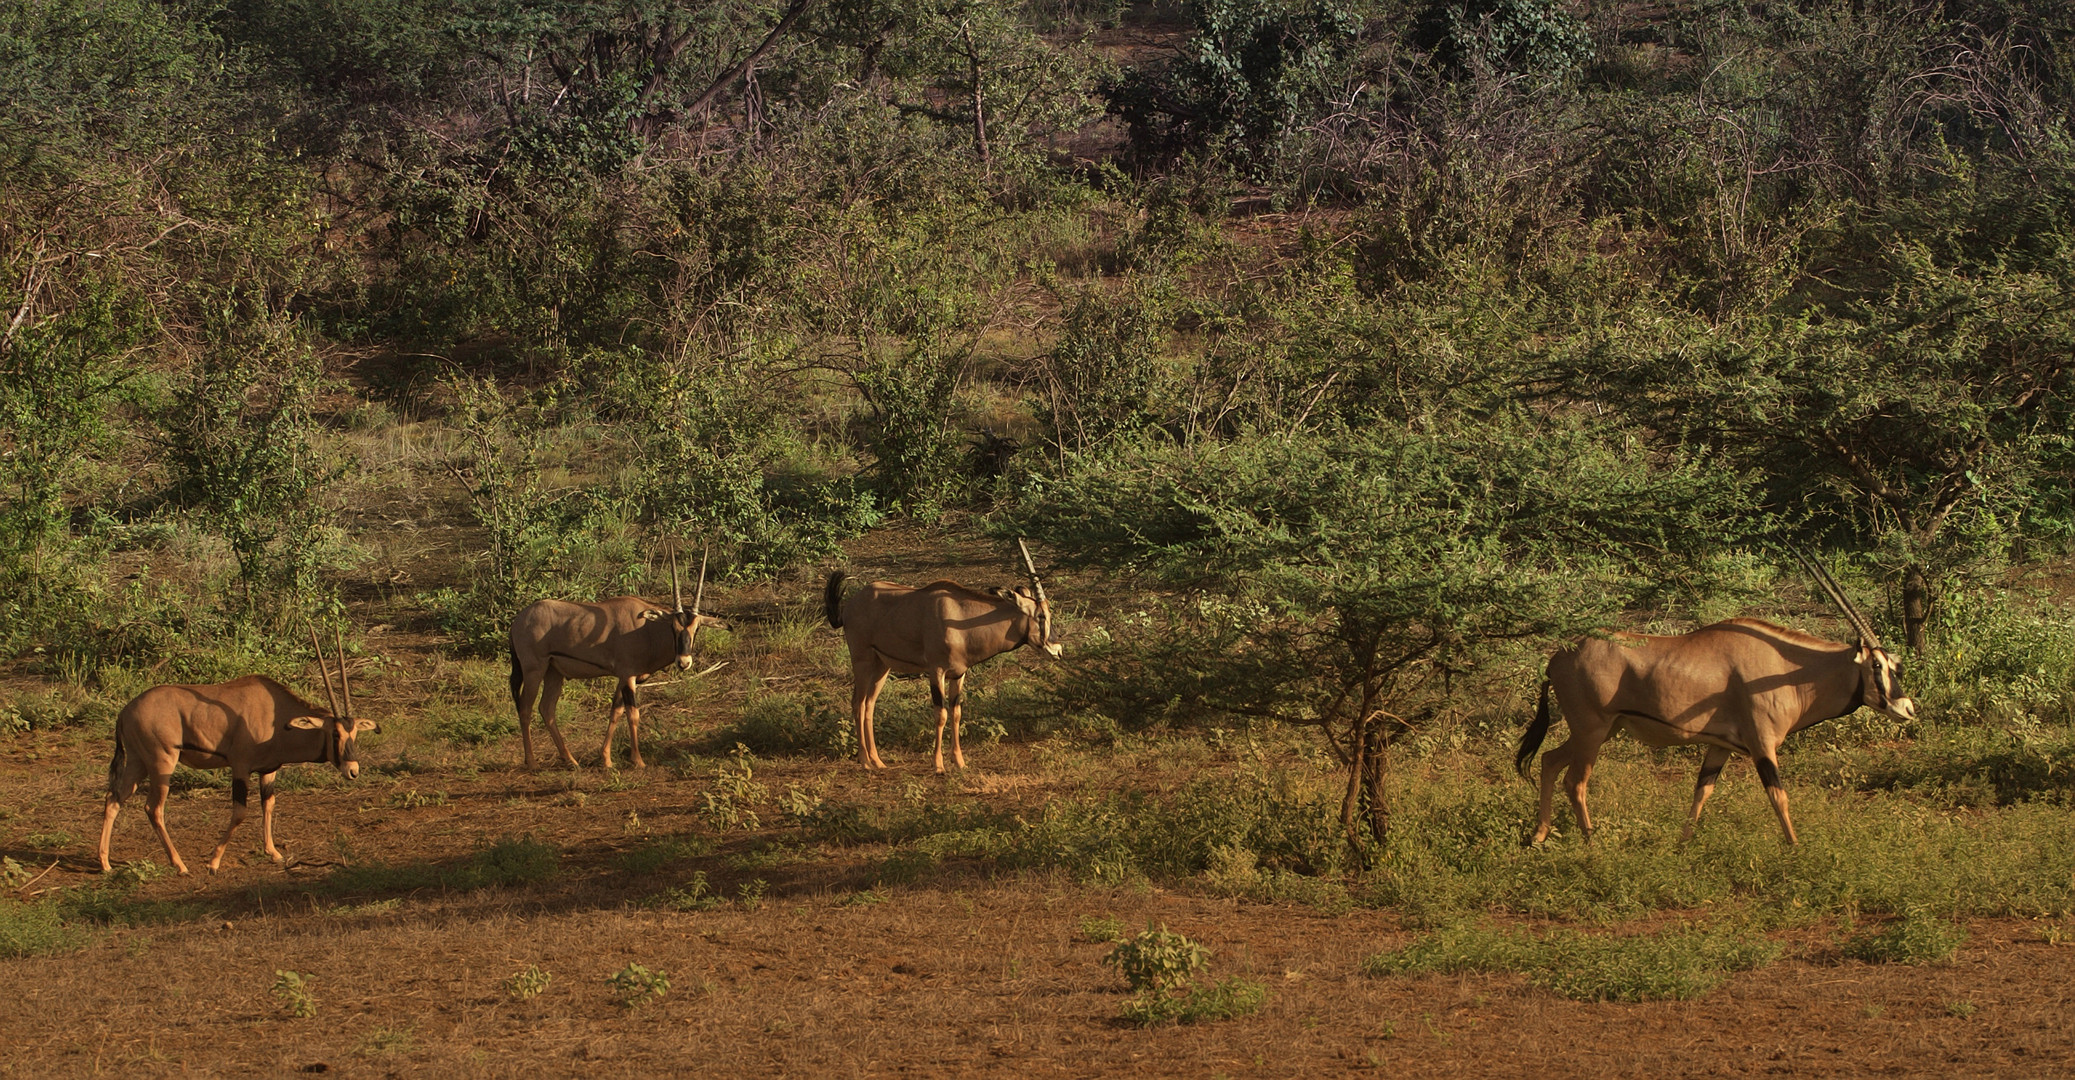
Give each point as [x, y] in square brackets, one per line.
[518, 679]
[1531, 739]
[115, 763]
[832, 599]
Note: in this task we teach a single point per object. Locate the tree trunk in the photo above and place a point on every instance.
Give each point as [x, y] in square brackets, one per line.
[972, 56]
[1916, 606]
[1350, 803]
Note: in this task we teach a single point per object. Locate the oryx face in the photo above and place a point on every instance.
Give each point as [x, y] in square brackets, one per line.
[1040, 614]
[341, 740]
[1880, 684]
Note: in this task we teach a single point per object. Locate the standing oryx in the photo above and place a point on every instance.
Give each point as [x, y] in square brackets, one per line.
[249, 725]
[1740, 686]
[624, 638]
[940, 630]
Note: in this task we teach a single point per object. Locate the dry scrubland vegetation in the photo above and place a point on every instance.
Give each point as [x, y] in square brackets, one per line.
[1338, 358]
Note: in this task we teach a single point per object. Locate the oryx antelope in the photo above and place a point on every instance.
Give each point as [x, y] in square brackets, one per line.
[249, 725]
[1738, 687]
[625, 638]
[939, 630]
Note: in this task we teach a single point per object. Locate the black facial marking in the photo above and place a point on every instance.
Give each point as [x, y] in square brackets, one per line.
[239, 791]
[1768, 773]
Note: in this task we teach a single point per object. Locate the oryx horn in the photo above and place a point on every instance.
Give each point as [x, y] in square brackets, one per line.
[1032, 567]
[345, 693]
[324, 669]
[676, 590]
[699, 594]
[1836, 593]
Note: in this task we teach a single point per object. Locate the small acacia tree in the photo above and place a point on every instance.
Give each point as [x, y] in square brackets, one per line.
[1361, 571]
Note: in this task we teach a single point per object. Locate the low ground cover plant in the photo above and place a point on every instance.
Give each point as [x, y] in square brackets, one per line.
[1683, 962]
[1161, 968]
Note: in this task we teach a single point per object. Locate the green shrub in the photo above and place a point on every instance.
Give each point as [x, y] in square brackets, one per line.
[792, 724]
[1916, 937]
[637, 985]
[292, 988]
[1223, 1000]
[1157, 960]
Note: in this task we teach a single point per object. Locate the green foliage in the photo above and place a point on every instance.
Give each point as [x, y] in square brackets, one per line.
[732, 800]
[792, 724]
[1105, 373]
[528, 983]
[1680, 963]
[1225, 999]
[694, 895]
[1160, 965]
[508, 861]
[32, 929]
[292, 989]
[1915, 937]
[1101, 929]
[1250, 73]
[1536, 36]
[241, 451]
[543, 538]
[637, 986]
[1157, 960]
[657, 854]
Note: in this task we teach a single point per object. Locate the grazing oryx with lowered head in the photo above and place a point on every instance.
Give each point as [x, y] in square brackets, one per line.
[1738, 687]
[939, 630]
[249, 725]
[625, 638]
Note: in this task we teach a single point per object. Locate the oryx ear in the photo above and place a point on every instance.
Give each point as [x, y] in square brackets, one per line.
[652, 615]
[307, 723]
[368, 726]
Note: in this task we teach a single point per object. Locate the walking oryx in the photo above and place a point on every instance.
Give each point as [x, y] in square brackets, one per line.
[940, 630]
[1740, 686]
[624, 638]
[249, 725]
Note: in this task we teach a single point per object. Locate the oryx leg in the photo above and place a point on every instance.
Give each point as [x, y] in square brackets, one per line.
[1768, 765]
[121, 783]
[550, 696]
[943, 711]
[634, 728]
[1576, 757]
[266, 815]
[955, 698]
[529, 693]
[155, 808]
[1704, 786]
[622, 694]
[241, 793]
[867, 678]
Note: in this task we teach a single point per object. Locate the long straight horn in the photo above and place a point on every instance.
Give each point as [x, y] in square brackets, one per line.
[318, 651]
[1032, 568]
[699, 595]
[676, 590]
[1844, 604]
[345, 692]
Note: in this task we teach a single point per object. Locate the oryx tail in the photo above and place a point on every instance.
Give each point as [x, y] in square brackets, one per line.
[832, 599]
[1531, 739]
[518, 675]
